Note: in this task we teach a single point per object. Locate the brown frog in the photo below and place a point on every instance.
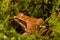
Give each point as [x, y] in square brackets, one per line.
[27, 23]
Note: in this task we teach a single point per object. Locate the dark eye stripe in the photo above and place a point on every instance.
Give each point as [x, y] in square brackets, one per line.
[23, 22]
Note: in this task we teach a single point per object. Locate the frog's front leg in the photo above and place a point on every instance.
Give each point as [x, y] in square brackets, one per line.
[28, 32]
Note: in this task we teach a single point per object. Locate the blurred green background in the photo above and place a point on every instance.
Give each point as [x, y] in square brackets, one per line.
[49, 10]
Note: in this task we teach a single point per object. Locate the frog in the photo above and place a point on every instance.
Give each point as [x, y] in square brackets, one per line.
[28, 24]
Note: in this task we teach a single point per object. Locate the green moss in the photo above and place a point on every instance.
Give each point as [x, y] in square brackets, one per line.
[46, 9]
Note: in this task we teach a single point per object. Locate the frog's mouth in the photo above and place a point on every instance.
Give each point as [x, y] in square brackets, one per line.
[20, 25]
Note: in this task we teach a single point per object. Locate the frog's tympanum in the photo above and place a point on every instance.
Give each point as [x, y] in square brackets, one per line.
[29, 25]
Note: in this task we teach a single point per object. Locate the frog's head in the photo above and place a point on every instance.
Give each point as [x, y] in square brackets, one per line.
[21, 23]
